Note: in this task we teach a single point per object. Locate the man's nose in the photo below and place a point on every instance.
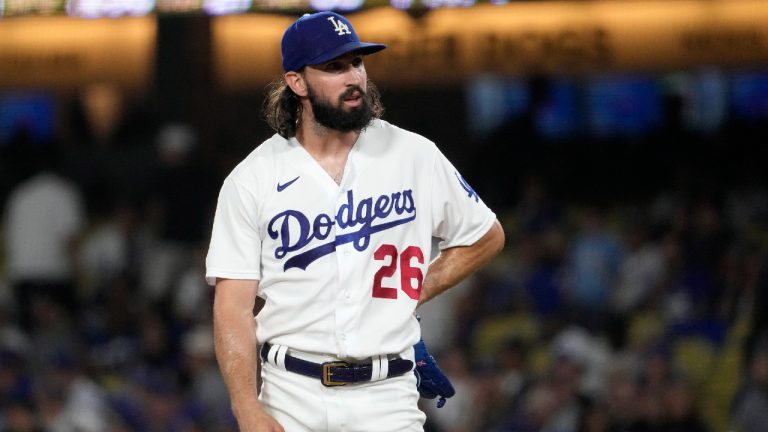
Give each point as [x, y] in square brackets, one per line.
[355, 75]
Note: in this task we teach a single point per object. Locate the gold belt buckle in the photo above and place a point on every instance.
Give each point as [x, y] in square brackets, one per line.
[328, 373]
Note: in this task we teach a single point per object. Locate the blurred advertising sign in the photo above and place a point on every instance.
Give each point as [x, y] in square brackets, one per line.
[76, 8]
[59, 52]
[28, 7]
[108, 8]
[246, 48]
[111, 8]
[440, 46]
[574, 37]
[447, 45]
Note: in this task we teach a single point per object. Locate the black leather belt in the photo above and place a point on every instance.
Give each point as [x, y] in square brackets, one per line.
[338, 373]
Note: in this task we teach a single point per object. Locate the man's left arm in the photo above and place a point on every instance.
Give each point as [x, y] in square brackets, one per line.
[454, 264]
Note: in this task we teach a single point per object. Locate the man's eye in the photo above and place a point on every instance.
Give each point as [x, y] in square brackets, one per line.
[357, 61]
[333, 66]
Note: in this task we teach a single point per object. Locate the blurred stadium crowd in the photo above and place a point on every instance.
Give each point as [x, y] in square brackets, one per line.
[641, 312]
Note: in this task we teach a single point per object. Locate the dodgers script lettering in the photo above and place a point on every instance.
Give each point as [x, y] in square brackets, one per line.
[295, 230]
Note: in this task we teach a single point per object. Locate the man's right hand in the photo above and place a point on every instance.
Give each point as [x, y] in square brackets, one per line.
[257, 420]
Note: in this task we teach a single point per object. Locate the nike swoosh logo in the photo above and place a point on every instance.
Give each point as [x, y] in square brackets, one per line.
[281, 187]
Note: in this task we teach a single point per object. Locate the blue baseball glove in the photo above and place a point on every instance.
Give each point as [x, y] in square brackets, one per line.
[430, 380]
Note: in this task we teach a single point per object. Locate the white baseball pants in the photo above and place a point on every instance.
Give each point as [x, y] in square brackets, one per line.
[304, 404]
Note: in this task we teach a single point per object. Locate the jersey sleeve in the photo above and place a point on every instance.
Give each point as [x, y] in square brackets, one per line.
[235, 248]
[460, 217]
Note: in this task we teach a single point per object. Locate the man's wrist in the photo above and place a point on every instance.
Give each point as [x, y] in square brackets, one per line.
[246, 406]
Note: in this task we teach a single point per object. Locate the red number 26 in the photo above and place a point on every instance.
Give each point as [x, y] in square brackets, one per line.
[408, 273]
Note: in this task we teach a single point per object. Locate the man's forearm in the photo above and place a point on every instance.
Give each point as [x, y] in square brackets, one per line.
[234, 332]
[455, 264]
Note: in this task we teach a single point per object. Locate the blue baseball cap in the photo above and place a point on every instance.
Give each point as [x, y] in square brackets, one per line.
[320, 37]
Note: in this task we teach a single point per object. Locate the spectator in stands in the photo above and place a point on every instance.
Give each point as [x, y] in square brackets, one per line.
[19, 415]
[750, 408]
[463, 416]
[68, 399]
[593, 264]
[182, 193]
[640, 278]
[681, 410]
[207, 391]
[44, 219]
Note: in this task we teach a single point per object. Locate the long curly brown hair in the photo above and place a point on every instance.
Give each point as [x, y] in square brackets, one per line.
[282, 107]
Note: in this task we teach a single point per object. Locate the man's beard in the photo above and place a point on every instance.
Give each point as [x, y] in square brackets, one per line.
[336, 118]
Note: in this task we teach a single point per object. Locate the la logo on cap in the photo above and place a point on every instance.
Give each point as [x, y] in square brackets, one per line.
[339, 27]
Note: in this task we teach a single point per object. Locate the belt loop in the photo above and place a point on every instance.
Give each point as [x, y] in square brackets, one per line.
[280, 356]
[276, 355]
[375, 368]
[380, 367]
[384, 371]
[271, 355]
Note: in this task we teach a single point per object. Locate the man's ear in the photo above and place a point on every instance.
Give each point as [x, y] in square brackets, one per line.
[296, 82]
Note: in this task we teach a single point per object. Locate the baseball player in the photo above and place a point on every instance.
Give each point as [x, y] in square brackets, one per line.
[330, 222]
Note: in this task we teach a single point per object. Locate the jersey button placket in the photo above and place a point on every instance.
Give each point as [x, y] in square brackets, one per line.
[344, 261]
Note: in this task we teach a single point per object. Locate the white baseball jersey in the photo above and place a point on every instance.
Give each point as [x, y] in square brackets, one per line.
[341, 265]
